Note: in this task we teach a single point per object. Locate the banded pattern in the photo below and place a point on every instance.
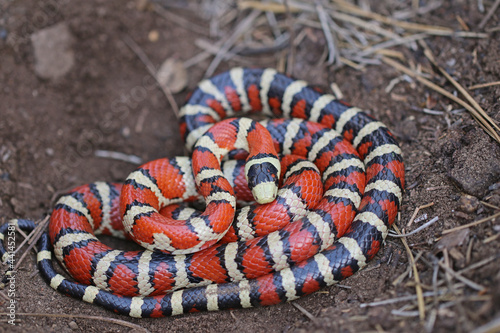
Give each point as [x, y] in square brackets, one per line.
[156, 185]
[249, 258]
[372, 209]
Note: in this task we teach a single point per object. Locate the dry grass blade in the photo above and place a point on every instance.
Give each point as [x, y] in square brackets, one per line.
[490, 205]
[341, 16]
[71, 316]
[462, 23]
[468, 252]
[417, 210]
[391, 43]
[364, 24]
[291, 31]
[22, 233]
[404, 313]
[485, 125]
[277, 8]
[209, 48]
[32, 240]
[491, 327]
[343, 6]
[459, 277]
[185, 23]
[119, 156]
[332, 49]
[355, 36]
[418, 287]
[352, 64]
[27, 238]
[243, 26]
[484, 85]
[411, 12]
[486, 219]
[401, 299]
[304, 311]
[489, 15]
[7, 298]
[491, 239]
[422, 227]
[433, 30]
[152, 71]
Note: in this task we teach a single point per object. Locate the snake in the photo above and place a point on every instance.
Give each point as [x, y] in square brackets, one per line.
[341, 174]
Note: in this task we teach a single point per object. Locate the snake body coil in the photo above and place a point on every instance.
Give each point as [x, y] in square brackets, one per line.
[340, 194]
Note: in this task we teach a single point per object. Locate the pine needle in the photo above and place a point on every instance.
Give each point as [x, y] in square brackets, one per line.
[418, 287]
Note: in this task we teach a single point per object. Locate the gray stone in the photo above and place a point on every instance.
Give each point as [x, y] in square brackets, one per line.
[54, 56]
[73, 325]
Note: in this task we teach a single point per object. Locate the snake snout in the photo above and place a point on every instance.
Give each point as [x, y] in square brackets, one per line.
[263, 180]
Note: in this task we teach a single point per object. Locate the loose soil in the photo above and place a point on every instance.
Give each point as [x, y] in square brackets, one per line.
[50, 130]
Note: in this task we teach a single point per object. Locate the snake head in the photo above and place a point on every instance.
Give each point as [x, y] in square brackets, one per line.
[263, 180]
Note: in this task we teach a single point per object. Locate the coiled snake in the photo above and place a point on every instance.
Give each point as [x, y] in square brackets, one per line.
[342, 188]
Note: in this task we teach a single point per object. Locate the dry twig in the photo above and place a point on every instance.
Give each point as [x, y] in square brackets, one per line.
[459, 277]
[422, 227]
[401, 299]
[183, 22]
[489, 14]
[484, 85]
[116, 155]
[418, 287]
[152, 71]
[417, 210]
[304, 311]
[32, 240]
[486, 219]
[330, 40]
[491, 327]
[490, 205]
[434, 30]
[479, 264]
[238, 31]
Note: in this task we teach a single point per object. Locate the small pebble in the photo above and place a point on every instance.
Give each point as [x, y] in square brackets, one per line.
[54, 56]
[18, 206]
[153, 36]
[495, 186]
[468, 203]
[420, 218]
[73, 325]
[101, 11]
[172, 75]
[462, 215]
[126, 132]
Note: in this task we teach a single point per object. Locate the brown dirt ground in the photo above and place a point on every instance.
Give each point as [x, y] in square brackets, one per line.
[50, 130]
